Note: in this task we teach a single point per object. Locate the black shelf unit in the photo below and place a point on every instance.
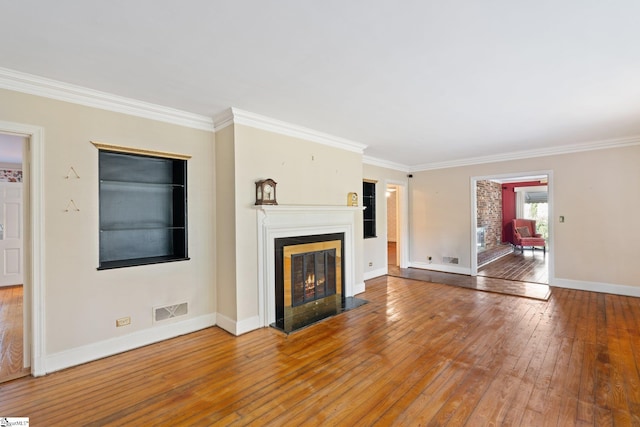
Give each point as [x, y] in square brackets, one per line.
[369, 214]
[143, 209]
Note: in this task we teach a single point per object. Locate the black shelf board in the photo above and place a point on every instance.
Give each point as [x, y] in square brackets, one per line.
[108, 265]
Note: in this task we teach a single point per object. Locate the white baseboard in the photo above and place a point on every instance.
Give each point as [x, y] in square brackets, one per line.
[359, 288]
[607, 288]
[99, 350]
[238, 328]
[375, 273]
[446, 268]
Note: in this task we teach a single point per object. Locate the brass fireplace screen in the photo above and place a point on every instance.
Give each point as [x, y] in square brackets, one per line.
[311, 272]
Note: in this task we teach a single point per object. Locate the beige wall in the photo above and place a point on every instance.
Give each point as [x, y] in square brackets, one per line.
[375, 249]
[307, 173]
[225, 222]
[81, 303]
[593, 190]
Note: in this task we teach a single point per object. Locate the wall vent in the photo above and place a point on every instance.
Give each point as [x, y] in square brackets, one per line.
[169, 311]
[449, 260]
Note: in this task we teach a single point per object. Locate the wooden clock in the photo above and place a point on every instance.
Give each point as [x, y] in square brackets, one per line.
[266, 192]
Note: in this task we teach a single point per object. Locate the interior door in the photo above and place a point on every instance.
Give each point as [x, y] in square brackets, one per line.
[11, 263]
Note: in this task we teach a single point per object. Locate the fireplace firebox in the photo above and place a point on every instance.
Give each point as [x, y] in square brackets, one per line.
[313, 275]
[309, 285]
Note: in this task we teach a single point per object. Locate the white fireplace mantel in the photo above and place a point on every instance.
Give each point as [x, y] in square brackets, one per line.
[278, 221]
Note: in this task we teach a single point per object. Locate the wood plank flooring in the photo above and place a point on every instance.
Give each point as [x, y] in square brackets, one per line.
[11, 329]
[418, 353]
[479, 283]
[530, 266]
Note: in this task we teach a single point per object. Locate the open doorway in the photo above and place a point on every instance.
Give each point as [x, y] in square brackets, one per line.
[393, 254]
[397, 225]
[14, 359]
[497, 250]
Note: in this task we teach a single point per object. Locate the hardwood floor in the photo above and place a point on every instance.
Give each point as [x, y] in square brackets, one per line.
[530, 266]
[11, 330]
[480, 283]
[417, 354]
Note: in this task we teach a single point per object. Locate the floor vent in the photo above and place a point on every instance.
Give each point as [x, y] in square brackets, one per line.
[169, 311]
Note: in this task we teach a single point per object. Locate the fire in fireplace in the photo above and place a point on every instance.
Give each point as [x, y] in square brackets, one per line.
[313, 275]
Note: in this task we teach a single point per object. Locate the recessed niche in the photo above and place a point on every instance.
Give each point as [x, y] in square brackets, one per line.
[143, 209]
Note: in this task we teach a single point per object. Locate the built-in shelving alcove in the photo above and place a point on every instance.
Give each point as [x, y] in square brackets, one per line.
[143, 206]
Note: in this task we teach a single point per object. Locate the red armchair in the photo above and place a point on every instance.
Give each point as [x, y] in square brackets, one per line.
[524, 234]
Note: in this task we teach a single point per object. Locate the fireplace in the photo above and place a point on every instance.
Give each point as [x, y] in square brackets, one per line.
[309, 285]
[275, 222]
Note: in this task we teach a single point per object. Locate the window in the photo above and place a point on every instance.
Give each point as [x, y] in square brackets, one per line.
[369, 203]
[532, 203]
[143, 208]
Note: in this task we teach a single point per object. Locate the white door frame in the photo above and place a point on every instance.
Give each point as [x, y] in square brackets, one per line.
[402, 199]
[34, 307]
[474, 216]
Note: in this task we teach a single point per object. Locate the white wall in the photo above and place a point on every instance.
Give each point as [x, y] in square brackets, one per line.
[593, 190]
[81, 303]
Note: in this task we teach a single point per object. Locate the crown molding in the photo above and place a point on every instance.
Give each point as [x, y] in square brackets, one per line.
[374, 161]
[236, 116]
[48, 88]
[526, 154]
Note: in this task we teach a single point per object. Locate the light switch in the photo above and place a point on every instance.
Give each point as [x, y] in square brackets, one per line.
[561, 218]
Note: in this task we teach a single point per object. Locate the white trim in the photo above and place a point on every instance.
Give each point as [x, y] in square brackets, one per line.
[473, 271]
[235, 116]
[526, 154]
[606, 288]
[280, 221]
[376, 273]
[446, 268]
[105, 348]
[226, 323]
[240, 327]
[373, 161]
[48, 88]
[359, 288]
[34, 324]
[525, 189]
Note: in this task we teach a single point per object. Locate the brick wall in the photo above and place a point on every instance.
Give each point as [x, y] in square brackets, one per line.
[489, 196]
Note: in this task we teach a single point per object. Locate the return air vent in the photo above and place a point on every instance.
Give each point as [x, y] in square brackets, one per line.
[169, 311]
[449, 260]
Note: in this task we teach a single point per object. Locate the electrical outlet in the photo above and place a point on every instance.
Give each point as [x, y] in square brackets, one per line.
[123, 321]
[370, 264]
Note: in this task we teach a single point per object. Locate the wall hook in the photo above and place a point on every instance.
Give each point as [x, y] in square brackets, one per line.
[71, 206]
[72, 174]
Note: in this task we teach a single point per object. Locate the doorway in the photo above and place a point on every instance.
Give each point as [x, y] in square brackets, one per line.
[14, 359]
[496, 201]
[397, 225]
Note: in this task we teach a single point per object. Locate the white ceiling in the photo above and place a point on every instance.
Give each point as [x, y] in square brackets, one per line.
[416, 81]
